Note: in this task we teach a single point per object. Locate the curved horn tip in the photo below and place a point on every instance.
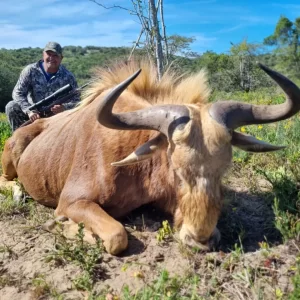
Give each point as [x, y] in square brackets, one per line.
[132, 77]
[262, 66]
[137, 72]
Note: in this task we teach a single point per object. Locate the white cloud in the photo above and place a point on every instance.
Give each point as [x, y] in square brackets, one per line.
[15, 7]
[252, 19]
[94, 33]
[230, 29]
[202, 43]
[35, 12]
[32, 23]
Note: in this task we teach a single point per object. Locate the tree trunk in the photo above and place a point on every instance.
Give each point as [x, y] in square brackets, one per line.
[164, 36]
[157, 37]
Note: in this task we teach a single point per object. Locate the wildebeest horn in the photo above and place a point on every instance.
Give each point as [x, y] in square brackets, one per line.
[232, 114]
[143, 152]
[163, 118]
[249, 143]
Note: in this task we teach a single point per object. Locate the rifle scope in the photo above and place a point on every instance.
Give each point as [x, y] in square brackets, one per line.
[60, 92]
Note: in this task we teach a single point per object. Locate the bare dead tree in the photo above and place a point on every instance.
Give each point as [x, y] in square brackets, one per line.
[136, 43]
[164, 35]
[147, 13]
[157, 39]
[113, 6]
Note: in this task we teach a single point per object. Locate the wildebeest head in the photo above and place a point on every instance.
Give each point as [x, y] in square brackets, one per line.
[199, 140]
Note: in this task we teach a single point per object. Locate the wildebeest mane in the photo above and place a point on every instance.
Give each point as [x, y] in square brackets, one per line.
[172, 88]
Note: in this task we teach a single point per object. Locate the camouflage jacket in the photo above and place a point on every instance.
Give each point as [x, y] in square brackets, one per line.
[33, 86]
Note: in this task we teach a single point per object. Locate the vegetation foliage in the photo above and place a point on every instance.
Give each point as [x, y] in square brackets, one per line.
[227, 72]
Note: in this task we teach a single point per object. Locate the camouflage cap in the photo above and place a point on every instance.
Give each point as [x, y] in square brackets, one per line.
[53, 46]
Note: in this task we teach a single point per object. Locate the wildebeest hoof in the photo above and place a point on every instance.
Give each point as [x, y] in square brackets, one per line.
[61, 219]
[214, 240]
[69, 229]
[51, 224]
[117, 242]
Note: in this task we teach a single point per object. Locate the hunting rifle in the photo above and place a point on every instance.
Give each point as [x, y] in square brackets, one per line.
[59, 97]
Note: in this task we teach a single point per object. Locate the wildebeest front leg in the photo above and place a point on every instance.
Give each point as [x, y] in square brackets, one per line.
[95, 219]
[9, 173]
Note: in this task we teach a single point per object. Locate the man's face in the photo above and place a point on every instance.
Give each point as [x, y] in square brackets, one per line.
[52, 60]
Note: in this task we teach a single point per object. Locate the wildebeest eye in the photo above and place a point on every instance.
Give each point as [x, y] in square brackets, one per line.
[178, 124]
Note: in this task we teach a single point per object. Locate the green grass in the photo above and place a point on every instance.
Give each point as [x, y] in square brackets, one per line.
[9, 207]
[163, 288]
[165, 232]
[166, 287]
[42, 289]
[295, 295]
[87, 257]
[5, 131]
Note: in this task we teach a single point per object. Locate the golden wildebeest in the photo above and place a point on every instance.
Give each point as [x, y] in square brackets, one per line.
[79, 161]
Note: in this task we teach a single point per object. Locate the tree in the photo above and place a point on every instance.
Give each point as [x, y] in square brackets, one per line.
[152, 37]
[9, 72]
[286, 39]
[244, 59]
[236, 70]
[8, 79]
[178, 44]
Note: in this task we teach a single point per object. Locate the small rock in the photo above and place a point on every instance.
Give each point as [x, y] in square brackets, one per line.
[159, 257]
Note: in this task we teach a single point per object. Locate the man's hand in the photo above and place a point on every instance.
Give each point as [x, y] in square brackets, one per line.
[56, 109]
[33, 115]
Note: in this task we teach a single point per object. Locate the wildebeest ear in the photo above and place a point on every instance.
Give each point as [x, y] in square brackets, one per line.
[143, 152]
[251, 144]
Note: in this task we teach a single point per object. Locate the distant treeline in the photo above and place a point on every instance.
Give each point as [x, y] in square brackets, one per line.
[227, 72]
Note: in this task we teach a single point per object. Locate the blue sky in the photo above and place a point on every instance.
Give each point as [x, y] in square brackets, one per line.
[214, 23]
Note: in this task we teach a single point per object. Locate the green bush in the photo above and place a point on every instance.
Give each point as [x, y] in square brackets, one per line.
[5, 131]
[296, 282]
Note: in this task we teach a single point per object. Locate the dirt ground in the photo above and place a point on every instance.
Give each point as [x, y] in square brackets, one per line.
[247, 217]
